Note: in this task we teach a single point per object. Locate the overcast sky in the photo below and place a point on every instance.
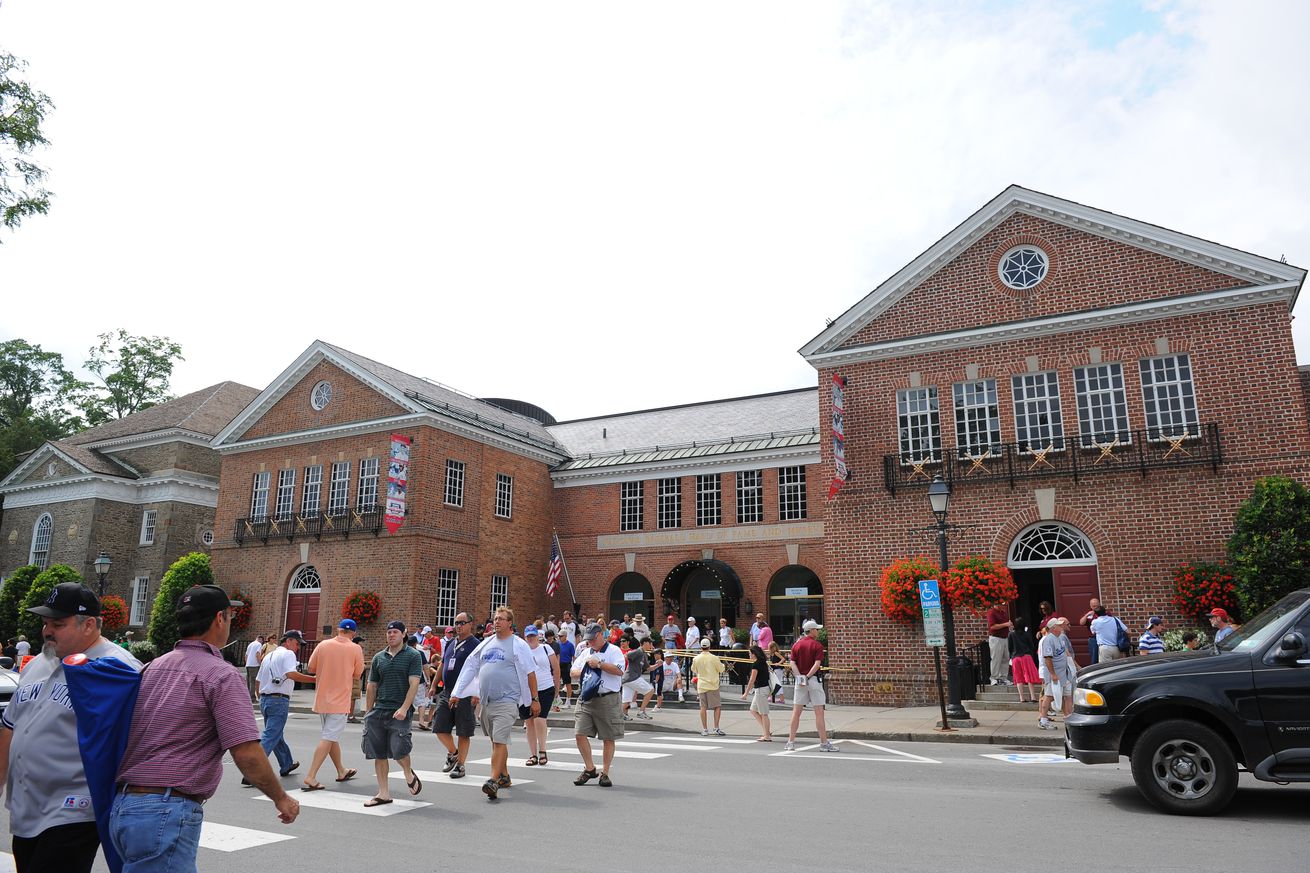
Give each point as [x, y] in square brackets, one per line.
[599, 207]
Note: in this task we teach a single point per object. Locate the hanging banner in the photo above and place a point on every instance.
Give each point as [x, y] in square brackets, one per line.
[840, 472]
[397, 478]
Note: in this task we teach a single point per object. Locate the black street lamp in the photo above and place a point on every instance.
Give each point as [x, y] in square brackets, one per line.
[939, 498]
[101, 564]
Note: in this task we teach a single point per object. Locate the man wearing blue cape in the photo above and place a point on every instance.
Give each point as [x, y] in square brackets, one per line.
[49, 793]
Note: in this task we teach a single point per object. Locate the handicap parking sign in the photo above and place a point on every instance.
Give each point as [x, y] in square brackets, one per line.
[929, 595]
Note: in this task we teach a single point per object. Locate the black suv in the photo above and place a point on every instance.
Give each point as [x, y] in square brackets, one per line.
[1187, 720]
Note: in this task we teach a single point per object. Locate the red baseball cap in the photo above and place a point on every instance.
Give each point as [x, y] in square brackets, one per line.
[1221, 613]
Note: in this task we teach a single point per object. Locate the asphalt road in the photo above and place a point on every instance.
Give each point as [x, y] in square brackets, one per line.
[684, 802]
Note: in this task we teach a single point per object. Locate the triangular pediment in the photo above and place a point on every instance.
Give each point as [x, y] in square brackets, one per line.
[942, 290]
[36, 467]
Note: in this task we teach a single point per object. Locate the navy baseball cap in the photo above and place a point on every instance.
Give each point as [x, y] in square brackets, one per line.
[396, 625]
[200, 600]
[531, 631]
[68, 598]
[293, 635]
[347, 624]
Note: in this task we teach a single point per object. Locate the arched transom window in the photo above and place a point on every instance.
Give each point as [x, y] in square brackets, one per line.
[1050, 543]
[306, 580]
[40, 555]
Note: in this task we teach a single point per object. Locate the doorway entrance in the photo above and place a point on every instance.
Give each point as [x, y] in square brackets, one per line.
[631, 594]
[302, 602]
[795, 596]
[1054, 562]
[706, 590]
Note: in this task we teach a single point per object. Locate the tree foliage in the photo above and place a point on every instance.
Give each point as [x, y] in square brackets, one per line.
[1269, 550]
[33, 385]
[133, 373]
[42, 585]
[188, 570]
[22, 110]
[11, 599]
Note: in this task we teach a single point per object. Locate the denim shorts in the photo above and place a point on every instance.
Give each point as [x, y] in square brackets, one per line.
[154, 833]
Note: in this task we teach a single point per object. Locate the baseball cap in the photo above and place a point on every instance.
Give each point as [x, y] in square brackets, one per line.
[396, 625]
[1153, 621]
[691, 619]
[347, 624]
[1055, 622]
[531, 631]
[450, 630]
[293, 635]
[200, 600]
[668, 654]
[1219, 613]
[68, 598]
[593, 629]
[811, 624]
[704, 644]
[614, 622]
[427, 629]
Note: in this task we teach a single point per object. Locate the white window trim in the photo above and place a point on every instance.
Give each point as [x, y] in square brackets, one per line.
[258, 507]
[709, 500]
[796, 486]
[339, 503]
[669, 494]
[504, 496]
[447, 596]
[971, 443]
[756, 490]
[284, 503]
[932, 416]
[1196, 406]
[1086, 439]
[454, 486]
[631, 510]
[50, 535]
[313, 485]
[140, 605]
[499, 592]
[368, 484]
[148, 519]
[1059, 440]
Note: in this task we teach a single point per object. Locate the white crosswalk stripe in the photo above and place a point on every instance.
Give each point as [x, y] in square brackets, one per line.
[549, 765]
[7, 863]
[338, 802]
[618, 753]
[893, 756]
[688, 738]
[230, 838]
[634, 744]
[436, 777]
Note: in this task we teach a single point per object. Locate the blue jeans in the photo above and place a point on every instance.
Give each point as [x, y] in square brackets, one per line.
[155, 833]
[274, 708]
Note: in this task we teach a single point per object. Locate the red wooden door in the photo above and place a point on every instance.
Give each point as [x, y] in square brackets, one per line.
[1074, 586]
[302, 614]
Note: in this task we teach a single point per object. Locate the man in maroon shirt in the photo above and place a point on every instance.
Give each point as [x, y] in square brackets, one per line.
[807, 661]
[193, 706]
[998, 644]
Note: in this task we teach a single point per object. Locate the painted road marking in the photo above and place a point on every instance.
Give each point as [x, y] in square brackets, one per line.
[338, 802]
[893, 756]
[1032, 758]
[665, 747]
[433, 777]
[549, 765]
[7, 863]
[618, 753]
[230, 838]
[683, 738]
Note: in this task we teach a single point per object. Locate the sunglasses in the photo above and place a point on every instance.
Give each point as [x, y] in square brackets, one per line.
[461, 622]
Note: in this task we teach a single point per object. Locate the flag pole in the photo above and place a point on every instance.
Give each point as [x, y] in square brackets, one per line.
[573, 598]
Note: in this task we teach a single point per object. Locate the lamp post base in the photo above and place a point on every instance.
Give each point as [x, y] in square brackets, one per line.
[952, 723]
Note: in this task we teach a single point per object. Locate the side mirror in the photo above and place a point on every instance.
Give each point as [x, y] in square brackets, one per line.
[6, 662]
[1291, 647]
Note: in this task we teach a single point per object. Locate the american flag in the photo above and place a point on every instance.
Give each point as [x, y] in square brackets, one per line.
[556, 568]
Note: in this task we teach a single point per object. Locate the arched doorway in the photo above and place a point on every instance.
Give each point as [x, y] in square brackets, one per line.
[795, 596]
[302, 601]
[1056, 562]
[708, 590]
[631, 593]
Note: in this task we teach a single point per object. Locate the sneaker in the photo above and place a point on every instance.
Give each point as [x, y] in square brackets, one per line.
[490, 788]
[658, 709]
[644, 715]
[457, 772]
[719, 733]
[627, 717]
[605, 781]
[704, 733]
[1045, 724]
[828, 747]
[681, 699]
[790, 747]
[451, 761]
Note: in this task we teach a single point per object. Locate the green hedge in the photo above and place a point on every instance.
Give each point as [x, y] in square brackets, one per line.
[42, 585]
[11, 599]
[188, 570]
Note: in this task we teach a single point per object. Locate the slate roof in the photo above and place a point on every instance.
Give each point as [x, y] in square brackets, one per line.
[739, 424]
[206, 412]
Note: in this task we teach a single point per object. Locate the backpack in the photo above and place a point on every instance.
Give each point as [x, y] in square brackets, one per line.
[1121, 641]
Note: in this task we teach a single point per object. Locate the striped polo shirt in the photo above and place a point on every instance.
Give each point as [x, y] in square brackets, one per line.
[193, 706]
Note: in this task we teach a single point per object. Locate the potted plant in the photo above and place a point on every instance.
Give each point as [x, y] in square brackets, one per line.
[113, 611]
[900, 587]
[362, 606]
[977, 583]
[1200, 586]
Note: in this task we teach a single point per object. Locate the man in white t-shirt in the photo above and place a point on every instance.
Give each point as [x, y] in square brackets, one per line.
[602, 715]
[568, 628]
[24, 648]
[692, 642]
[278, 675]
[1058, 669]
[252, 666]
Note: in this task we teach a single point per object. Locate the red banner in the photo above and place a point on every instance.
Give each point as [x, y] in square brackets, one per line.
[397, 479]
[840, 472]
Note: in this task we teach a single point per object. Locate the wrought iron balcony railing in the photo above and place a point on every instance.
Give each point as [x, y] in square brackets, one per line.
[317, 526]
[1077, 457]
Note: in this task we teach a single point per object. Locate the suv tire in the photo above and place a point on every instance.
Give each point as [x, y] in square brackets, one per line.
[1184, 768]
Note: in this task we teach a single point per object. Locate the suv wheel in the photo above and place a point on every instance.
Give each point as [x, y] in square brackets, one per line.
[1184, 768]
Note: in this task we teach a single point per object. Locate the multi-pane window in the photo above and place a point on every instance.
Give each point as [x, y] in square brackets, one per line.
[40, 554]
[670, 503]
[454, 483]
[311, 495]
[630, 505]
[1102, 404]
[709, 500]
[504, 495]
[339, 488]
[499, 592]
[286, 492]
[366, 495]
[750, 496]
[148, 519]
[791, 493]
[140, 591]
[447, 596]
[1169, 398]
[1037, 420]
[977, 418]
[259, 497]
[919, 426]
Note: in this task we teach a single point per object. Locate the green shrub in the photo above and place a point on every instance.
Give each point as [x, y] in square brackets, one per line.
[1269, 550]
[143, 650]
[188, 570]
[42, 585]
[11, 599]
[1173, 639]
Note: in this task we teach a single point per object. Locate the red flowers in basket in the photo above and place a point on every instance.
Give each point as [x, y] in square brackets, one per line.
[900, 587]
[1200, 586]
[977, 583]
[362, 606]
[113, 611]
[241, 615]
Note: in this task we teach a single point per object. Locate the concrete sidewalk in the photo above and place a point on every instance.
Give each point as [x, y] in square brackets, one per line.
[907, 724]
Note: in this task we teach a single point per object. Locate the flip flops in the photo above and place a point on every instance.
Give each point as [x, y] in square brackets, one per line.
[415, 787]
[350, 774]
[532, 762]
[378, 801]
[312, 786]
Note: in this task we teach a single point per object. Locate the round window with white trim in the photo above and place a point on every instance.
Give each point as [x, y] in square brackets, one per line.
[207, 537]
[321, 396]
[1023, 267]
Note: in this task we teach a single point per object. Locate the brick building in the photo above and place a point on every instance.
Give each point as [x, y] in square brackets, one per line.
[142, 488]
[1100, 393]
[708, 507]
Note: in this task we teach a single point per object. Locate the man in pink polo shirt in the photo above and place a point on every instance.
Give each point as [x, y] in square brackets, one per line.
[193, 706]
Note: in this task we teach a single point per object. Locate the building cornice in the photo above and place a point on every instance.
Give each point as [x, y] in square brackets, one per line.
[1136, 313]
[45, 450]
[782, 457]
[161, 489]
[153, 438]
[712, 536]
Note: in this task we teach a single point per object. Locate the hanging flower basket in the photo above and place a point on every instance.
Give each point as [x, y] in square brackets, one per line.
[900, 587]
[977, 583]
[241, 614]
[113, 611]
[362, 606]
[1200, 586]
